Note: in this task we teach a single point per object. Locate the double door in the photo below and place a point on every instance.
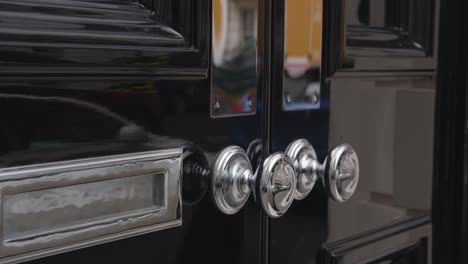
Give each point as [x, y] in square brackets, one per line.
[216, 131]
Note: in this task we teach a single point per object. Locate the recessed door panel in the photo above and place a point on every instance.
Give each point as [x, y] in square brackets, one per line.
[89, 82]
[377, 95]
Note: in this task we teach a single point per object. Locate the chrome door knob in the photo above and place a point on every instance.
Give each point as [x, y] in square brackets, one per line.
[339, 172]
[233, 180]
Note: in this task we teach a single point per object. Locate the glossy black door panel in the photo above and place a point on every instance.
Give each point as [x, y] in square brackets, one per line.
[377, 94]
[55, 119]
[406, 242]
[384, 35]
[82, 79]
[104, 37]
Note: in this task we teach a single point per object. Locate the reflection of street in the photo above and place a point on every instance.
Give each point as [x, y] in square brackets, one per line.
[302, 57]
[234, 57]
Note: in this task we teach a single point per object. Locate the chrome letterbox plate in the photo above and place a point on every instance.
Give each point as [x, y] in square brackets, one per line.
[56, 207]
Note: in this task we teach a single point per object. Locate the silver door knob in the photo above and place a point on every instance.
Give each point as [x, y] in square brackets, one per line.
[233, 180]
[339, 172]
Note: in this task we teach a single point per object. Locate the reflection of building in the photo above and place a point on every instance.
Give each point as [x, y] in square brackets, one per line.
[303, 35]
[233, 26]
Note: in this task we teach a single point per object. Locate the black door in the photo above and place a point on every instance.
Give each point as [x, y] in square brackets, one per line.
[118, 117]
[372, 88]
[107, 136]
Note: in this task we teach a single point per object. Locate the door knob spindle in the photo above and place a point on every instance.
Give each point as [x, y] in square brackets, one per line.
[339, 172]
[233, 180]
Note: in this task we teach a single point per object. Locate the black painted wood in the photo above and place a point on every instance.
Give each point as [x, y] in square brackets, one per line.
[160, 85]
[403, 40]
[450, 202]
[104, 38]
[302, 235]
[385, 243]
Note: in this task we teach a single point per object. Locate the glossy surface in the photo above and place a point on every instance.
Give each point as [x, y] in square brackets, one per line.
[119, 23]
[382, 103]
[56, 207]
[386, 25]
[233, 180]
[116, 104]
[302, 54]
[277, 184]
[105, 102]
[231, 177]
[341, 172]
[450, 168]
[372, 36]
[234, 57]
[76, 37]
[306, 164]
[394, 140]
[47, 132]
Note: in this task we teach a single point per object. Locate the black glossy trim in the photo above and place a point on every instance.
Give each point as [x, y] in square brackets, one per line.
[104, 38]
[264, 68]
[450, 201]
[379, 243]
[352, 48]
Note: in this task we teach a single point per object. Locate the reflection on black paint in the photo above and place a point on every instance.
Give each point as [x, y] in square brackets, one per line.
[55, 126]
[398, 24]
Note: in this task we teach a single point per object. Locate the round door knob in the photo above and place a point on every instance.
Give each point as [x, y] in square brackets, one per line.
[231, 173]
[339, 172]
[233, 180]
[277, 184]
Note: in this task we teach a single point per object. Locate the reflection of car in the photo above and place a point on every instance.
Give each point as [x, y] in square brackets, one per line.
[45, 129]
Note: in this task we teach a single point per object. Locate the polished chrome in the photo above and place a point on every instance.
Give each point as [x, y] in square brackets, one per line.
[306, 164]
[234, 60]
[339, 172]
[342, 172]
[231, 176]
[277, 184]
[233, 180]
[302, 54]
[57, 207]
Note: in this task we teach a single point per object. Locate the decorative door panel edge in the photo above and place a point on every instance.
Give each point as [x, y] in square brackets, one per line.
[400, 240]
[382, 35]
[138, 37]
[52, 208]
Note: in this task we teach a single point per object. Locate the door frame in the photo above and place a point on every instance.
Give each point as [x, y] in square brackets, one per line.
[450, 198]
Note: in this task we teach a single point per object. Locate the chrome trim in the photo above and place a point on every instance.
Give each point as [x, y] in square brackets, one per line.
[339, 176]
[277, 184]
[233, 180]
[79, 187]
[338, 172]
[231, 173]
[306, 164]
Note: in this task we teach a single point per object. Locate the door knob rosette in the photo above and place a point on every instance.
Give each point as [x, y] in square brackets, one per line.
[233, 180]
[339, 172]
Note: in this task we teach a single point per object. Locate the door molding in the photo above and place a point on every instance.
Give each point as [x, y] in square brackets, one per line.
[164, 39]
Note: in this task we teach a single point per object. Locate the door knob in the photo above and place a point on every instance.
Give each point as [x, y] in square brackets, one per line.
[233, 180]
[339, 172]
